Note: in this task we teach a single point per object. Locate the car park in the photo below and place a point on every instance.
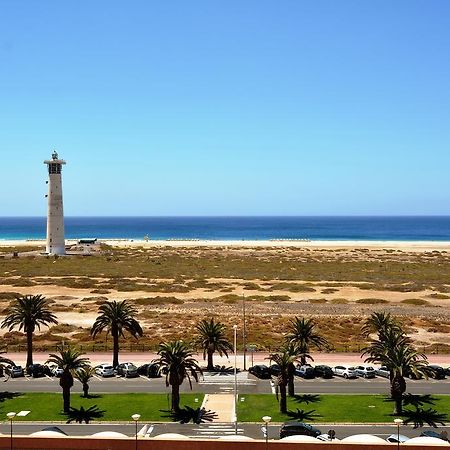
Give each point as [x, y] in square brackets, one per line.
[436, 372]
[104, 370]
[36, 370]
[323, 371]
[14, 371]
[298, 428]
[305, 371]
[260, 371]
[383, 371]
[127, 370]
[365, 371]
[345, 371]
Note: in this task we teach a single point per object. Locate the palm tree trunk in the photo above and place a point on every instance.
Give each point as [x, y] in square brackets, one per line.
[210, 361]
[398, 388]
[175, 397]
[85, 390]
[283, 399]
[290, 374]
[29, 347]
[115, 336]
[66, 399]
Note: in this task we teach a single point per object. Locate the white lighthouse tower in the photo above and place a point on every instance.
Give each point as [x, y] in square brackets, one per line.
[55, 215]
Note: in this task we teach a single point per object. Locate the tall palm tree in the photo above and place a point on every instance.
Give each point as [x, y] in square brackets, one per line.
[379, 323]
[211, 337]
[84, 375]
[29, 312]
[116, 317]
[284, 360]
[292, 350]
[176, 361]
[70, 360]
[301, 333]
[394, 350]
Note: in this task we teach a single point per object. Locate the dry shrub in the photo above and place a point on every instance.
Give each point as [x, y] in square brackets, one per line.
[371, 301]
[415, 302]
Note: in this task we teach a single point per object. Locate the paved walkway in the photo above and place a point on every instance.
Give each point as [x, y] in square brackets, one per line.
[222, 405]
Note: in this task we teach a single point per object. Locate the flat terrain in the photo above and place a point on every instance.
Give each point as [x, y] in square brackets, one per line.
[174, 286]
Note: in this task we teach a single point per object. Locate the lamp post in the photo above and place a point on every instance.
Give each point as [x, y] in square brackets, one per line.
[398, 422]
[266, 420]
[136, 418]
[235, 379]
[244, 333]
[10, 417]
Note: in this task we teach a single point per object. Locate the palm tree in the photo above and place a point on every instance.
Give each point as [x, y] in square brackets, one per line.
[380, 322]
[301, 333]
[292, 350]
[284, 360]
[116, 317]
[211, 337]
[176, 361]
[28, 312]
[394, 350]
[84, 375]
[70, 360]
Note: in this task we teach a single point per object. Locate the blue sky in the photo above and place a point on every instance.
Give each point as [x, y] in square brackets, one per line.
[227, 108]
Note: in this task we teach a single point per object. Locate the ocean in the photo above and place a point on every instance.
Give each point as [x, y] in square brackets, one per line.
[423, 228]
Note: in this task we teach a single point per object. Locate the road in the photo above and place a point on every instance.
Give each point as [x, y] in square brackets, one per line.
[247, 384]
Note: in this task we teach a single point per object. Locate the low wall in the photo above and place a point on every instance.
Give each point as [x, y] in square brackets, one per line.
[78, 443]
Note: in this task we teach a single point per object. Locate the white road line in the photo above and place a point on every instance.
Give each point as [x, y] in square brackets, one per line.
[50, 378]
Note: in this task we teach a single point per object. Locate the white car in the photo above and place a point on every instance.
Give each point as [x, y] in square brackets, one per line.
[105, 370]
[345, 371]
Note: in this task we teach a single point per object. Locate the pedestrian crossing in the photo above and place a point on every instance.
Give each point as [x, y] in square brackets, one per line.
[216, 430]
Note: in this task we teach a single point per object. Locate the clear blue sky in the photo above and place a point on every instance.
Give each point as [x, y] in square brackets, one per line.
[232, 107]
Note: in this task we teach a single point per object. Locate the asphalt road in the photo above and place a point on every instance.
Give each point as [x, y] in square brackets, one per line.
[212, 430]
[247, 384]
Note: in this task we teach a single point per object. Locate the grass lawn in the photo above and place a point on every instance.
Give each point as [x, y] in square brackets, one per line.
[328, 408]
[48, 406]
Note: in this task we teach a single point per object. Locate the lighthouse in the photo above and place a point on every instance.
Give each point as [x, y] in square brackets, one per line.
[55, 215]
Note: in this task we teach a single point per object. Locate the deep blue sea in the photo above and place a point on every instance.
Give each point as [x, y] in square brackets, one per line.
[430, 228]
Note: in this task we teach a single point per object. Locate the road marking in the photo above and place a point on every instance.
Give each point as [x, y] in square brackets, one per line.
[145, 378]
[50, 378]
[96, 376]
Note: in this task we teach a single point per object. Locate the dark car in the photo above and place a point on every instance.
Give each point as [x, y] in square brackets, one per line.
[436, 372]
[151, 370]
[296, 428]
[305, 371]
[275, 370]
[447, 371]
[14, 371]
[431, 433]
[323, 371]
[36, 370]
[260, 371]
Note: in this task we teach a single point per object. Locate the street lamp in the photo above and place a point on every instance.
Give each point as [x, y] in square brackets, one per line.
[266, 420]
[235, 380]
[10, 417]
[398, 422]
[136, 418]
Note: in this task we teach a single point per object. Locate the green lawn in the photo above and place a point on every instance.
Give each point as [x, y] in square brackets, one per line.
[46, 406]
[328, 408]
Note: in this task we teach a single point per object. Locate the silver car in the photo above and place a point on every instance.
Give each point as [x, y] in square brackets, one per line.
[345, 371]
[104, 370]
[365, 371]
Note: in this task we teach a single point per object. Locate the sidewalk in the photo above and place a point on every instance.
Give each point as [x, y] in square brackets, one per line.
[222, 404]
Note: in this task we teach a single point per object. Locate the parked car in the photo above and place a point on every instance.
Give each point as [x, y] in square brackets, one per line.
[345, 371]
[36, 370]
[447, 371]
[296, 428]
[151, 370]
[127, 370]
[275, 370]
[104, 370]
[305, 371]
[393, 438]
[14, 371]
[323, 371]
[365, 371]
[436, 372]
[383, 371]
[53, 370]
[260, 371]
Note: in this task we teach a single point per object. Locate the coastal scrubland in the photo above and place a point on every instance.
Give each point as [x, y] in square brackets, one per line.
[173, 287]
